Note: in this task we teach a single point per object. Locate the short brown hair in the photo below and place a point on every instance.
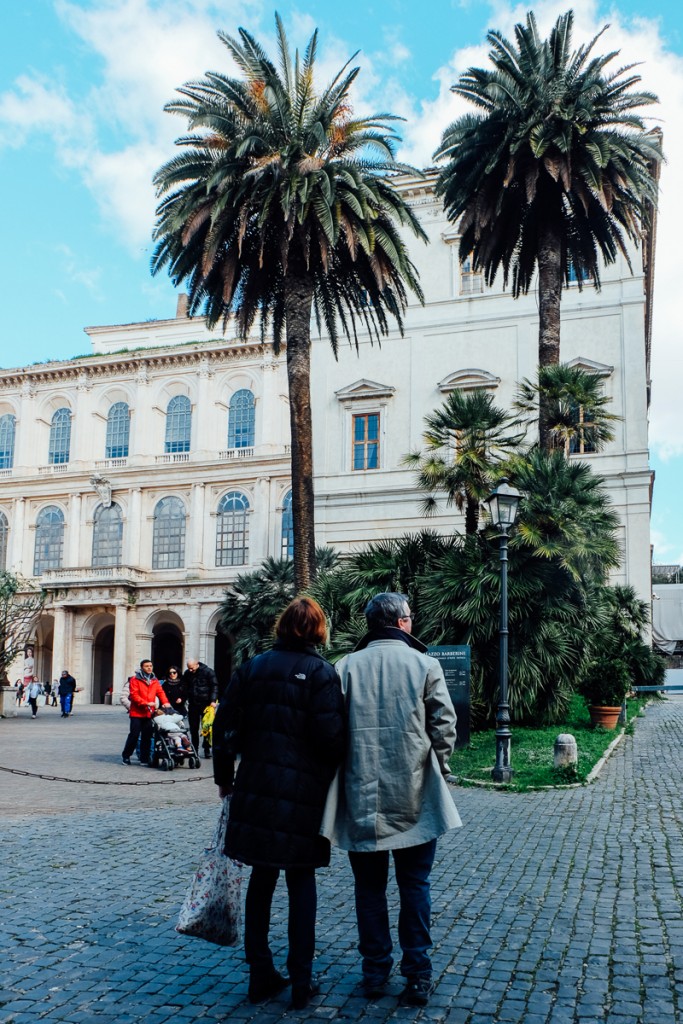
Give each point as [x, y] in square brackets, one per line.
[302, 619]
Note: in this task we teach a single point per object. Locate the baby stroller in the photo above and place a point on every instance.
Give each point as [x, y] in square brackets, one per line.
[167, 753]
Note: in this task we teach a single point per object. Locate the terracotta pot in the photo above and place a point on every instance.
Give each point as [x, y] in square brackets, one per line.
[605, 716]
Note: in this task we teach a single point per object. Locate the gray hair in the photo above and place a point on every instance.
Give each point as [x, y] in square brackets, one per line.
[385, 609]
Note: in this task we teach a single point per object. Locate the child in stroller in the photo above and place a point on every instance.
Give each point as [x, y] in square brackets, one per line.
[172, 744]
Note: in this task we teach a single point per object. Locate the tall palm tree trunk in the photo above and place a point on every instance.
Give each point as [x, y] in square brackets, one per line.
[298, 306]
[471, 517]
[549, 300]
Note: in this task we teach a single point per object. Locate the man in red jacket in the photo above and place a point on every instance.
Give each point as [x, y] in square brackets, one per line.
[145, 688]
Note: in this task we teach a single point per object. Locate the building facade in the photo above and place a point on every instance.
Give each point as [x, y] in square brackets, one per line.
[136, 483]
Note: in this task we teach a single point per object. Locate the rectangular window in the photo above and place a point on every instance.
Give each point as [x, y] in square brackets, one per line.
[366, 441]
[471, 281]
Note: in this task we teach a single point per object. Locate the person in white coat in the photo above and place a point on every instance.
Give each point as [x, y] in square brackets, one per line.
[390, 795]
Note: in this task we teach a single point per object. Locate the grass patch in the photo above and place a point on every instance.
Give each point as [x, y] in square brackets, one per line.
[532, 750]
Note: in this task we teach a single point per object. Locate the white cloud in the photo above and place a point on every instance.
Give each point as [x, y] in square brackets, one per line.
[35, 105]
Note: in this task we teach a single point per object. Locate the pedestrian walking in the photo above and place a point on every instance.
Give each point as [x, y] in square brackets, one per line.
[67, 689]
[19, 687]
[390, 794]
[144, 690]
[55, 692]
[33, 692]
[47, 690]
[282, 713]
[201, 689]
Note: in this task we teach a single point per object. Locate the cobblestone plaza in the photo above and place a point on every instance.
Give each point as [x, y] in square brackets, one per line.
[555, 907]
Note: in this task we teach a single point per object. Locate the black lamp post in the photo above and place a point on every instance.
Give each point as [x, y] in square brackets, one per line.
[503, 509]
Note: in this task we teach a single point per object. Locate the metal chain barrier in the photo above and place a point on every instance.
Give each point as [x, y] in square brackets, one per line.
[105, 782]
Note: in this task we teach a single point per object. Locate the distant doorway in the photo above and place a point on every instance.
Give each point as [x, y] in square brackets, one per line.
[103, 664]
[167, 648]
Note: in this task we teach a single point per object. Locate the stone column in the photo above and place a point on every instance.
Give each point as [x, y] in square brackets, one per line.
[74, 529]
[259, 522]
[204, 410]
[16, 559]
[121, 669]
[133, 527]
[59, 642]
[196, 528]
[192, 631]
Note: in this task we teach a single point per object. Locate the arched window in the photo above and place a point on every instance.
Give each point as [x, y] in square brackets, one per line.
[107, 535]
[4, 533]
[178, 424]
[232, 529]
[168, 541]
[287, 546]
[241, 420]
[118, 432]
[49, 548]
[7, 429]
[60, 437]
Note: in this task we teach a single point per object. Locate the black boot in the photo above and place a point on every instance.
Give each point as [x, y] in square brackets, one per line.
[265, 985]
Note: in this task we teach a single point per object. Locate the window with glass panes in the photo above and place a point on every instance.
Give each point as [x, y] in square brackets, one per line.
[7, 430]
[232, 529]
[168, 539]
[60, 437]
[118, 432]
[241, 420]
[287, 544]
[4, 534]
[178, 424]
[107, 535]
[366, 441]
[49, 546]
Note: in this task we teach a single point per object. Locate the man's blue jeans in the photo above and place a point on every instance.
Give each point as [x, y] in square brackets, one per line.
[412, 866]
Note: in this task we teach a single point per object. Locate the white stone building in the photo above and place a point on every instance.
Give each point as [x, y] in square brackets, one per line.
[136, 483]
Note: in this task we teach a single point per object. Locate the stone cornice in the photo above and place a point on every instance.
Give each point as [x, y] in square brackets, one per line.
[87, 370]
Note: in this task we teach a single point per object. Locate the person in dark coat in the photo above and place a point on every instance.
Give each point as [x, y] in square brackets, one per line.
[175, 690]
[67, 689]
[283, 714]
[201, 689]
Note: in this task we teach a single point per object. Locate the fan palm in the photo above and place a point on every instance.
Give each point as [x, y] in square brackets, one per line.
[254, 601]
[464, 441]
[576, 407]
[281, 205]
[555, 170]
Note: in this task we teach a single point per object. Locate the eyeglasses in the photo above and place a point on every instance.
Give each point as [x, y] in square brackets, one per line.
[407, 616]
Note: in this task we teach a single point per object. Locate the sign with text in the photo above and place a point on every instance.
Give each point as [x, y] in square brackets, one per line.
[455, 662]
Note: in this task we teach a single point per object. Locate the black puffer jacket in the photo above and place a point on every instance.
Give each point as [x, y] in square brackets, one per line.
[201, 687]
[283, 713]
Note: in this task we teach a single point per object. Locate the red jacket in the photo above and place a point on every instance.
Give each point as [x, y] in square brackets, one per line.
[143, 695]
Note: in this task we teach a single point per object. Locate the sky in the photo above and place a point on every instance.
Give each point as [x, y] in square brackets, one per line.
[82, 130]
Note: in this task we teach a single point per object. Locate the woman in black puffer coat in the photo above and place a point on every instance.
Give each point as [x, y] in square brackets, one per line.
[283, 714]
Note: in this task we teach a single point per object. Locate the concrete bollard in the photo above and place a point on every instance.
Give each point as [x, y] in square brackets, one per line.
[566, 754]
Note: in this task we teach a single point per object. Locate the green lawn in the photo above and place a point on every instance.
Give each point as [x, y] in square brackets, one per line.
[532, 750]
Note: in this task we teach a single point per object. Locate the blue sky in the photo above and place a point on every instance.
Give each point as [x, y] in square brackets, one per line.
[82, 86]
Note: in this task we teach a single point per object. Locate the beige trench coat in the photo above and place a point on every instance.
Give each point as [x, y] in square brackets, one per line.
[391, 791]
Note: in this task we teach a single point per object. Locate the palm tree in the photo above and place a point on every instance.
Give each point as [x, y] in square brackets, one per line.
[555, 170]
[251, 606]
[576, 407]
[281, 204]
[565, 514]
[464, 441]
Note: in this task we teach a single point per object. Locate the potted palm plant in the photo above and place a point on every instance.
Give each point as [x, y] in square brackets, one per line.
[604, 686]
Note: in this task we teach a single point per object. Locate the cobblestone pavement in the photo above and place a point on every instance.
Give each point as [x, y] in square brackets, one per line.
[560, 907]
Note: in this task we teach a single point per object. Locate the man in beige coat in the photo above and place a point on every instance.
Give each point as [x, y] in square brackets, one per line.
[391, 793]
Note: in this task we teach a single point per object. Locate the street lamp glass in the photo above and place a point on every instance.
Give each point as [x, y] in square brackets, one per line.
[503, 504]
